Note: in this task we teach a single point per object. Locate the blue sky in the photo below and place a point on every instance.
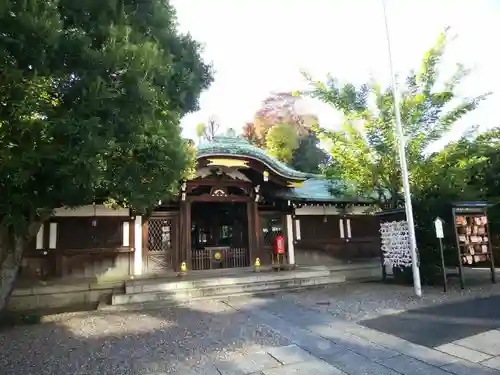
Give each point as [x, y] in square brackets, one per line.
[260, 46]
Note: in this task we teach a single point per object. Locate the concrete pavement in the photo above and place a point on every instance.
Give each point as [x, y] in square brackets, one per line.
[322, 344]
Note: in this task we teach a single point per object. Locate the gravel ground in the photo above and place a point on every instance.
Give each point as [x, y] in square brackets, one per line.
[171, 340]
[167, 340]
[357, 302]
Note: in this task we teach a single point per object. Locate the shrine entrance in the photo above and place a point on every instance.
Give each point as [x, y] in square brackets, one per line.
[219, 235]
[161, 244]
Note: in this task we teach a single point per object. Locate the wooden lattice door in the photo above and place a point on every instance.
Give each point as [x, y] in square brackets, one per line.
[161, 244]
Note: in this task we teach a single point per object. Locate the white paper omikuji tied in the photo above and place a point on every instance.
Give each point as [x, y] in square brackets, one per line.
[395, 241]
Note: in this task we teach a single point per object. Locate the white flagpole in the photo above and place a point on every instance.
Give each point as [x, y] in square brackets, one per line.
[404, 168]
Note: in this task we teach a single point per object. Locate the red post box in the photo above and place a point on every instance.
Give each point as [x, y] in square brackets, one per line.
[279, 244]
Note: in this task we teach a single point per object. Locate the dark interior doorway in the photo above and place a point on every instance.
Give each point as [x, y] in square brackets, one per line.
[219, 235]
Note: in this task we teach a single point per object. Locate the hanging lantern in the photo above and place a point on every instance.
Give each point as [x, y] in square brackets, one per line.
[266, 176]
[325, 218]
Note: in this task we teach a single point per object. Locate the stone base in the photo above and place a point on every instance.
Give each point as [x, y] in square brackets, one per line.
[283, 267]
[56, 296]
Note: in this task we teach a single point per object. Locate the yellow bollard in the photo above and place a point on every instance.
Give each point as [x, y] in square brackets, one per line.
[256, 266]
[184, 269]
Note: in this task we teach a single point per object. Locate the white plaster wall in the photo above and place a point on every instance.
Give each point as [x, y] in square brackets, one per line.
[88, 210]
[330, 210]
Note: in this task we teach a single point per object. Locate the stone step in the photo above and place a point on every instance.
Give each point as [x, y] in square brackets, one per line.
[160, 285]
[165, 285]
[217, 291]
[158, 304]
[223, 297]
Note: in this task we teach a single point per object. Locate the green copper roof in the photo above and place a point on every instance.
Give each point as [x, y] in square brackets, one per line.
[232, 146]
[318, 190]
[314, 189]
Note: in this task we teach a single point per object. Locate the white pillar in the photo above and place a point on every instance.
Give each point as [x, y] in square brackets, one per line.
[125, 234]
[341, 228]
[52, 235]
[291, 247]
[138, 246]
[39, 238]
[297, 229]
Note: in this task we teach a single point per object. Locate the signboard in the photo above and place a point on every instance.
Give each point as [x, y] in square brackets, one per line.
[438, 225]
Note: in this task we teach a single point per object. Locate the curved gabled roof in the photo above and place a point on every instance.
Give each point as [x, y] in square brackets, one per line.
[238, 147]
[324, 191]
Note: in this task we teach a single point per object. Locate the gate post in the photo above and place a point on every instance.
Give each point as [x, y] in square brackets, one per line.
[138, 246]
[185, 235]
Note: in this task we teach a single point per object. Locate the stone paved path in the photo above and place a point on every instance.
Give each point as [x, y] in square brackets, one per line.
[301, 333]
[335, 344]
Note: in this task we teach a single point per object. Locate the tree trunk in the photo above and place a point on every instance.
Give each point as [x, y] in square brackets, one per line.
[11, 255]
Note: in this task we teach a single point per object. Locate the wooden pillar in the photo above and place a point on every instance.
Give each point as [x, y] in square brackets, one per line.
[253, 232]
[188, 233]
[182, 238]
[131, 228]
[258, 233]
[184, 248]
[46, 235]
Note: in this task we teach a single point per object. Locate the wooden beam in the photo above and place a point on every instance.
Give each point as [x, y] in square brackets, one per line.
[217, 182]
[209, 198]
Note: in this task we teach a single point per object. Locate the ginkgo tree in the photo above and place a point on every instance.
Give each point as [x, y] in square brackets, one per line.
[91, 96]
[281, 141]
[364, 150]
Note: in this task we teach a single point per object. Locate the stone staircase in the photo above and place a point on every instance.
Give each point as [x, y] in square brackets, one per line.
[153, 292]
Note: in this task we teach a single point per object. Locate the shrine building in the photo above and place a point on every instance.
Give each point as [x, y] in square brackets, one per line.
[228, 215]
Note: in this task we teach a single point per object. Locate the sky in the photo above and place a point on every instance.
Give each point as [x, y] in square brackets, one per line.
[258, 47]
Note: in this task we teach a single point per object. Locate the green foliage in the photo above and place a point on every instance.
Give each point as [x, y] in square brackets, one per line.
[200, 130]
[462, 171]
[207, 131]
[91, 94]
[365, 150]
[308, 156]
[280, 108]
[281, 142]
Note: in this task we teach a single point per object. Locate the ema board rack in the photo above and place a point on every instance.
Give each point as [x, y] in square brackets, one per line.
[472, 236]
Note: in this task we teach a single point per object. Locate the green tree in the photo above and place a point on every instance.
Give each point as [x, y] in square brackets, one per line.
[207, 131]
[200, 131]
[364, 152]
[462, 171]
[284, 108]
[465, 170]
[281, 142]
[91, 94]
[309, 157]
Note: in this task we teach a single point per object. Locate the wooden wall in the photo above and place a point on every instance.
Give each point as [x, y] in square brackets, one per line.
[73, 247]
[322, 238]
